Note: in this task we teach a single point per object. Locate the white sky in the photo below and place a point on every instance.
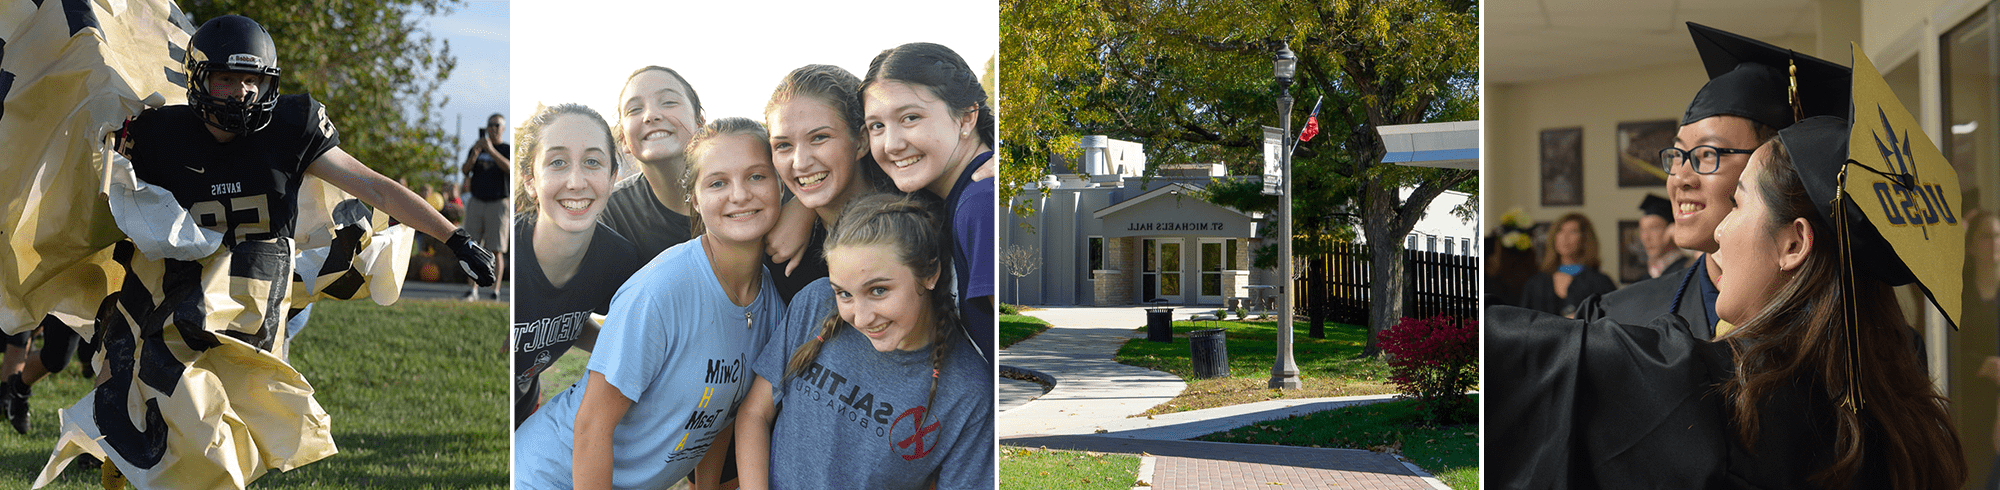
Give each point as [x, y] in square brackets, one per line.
[732, 51]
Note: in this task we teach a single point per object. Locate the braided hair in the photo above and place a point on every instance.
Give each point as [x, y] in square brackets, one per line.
[911, 225]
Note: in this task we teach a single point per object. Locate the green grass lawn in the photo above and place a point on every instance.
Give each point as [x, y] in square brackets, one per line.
[1016, 328]
[1327, 367]
[1042, 468]
[417, 393]
[1449, 452]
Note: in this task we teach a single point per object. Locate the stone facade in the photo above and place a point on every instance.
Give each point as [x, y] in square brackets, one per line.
[1114, 286]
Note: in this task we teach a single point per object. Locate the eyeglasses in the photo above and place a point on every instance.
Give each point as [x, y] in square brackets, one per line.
[1705, 159]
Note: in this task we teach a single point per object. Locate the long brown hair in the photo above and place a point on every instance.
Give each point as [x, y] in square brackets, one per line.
[841, 92]
[911, 225]
[1588, 249]
[528, 145]
[1902, 422]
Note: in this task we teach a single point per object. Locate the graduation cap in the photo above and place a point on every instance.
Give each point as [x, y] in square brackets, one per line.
[1761, 82]
[1889, 194]
[1657, 206]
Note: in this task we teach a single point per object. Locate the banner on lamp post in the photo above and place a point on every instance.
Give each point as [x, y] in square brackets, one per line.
[1274, 161]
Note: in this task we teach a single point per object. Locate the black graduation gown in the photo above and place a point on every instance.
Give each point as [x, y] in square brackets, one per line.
[1674, 269]
[1575, 404]
[1539, 293]
[1639, 302]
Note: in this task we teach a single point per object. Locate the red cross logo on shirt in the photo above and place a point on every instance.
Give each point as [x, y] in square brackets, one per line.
[917, 438]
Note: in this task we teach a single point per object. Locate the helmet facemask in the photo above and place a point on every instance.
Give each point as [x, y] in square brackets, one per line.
[232, 44]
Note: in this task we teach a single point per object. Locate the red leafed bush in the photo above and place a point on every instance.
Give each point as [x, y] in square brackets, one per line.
[1435, 360]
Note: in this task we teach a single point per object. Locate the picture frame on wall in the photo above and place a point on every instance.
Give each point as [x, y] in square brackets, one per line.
[1631, 253]
[1562, 166]
[1639, 145]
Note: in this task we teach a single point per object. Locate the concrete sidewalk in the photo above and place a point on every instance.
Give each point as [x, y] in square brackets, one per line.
[1091, 405]
[1091, 390]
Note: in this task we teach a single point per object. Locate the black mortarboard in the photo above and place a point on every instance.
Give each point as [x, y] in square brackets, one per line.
[1890, 196]
[1657, 206]
[1818, 147]
[1754, 79]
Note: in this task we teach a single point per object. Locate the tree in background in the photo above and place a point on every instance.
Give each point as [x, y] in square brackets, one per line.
[1020, 261]
[1192, 80]
[373, 67]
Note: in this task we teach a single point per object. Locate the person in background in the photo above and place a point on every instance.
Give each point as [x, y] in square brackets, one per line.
[1569, 269]
[1656, 229]
[486, 176]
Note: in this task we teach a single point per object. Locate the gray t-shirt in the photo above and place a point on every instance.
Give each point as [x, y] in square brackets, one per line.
[848, 420]
[676, 346]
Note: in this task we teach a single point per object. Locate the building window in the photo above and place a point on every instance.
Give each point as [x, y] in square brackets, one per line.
[1231, 244]
[1096, 255]
[1447, 246]
[1410, 242]
[1465, 246]
[1430, 244]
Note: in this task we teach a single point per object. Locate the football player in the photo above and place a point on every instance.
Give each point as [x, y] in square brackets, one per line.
[207, 315]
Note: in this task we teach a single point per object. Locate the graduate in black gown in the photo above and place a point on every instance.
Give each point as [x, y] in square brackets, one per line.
[1569, 269]
[1797, 397]
[1744, 104]
[1663, 258]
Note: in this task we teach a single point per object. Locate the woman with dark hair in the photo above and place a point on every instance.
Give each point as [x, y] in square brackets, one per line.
[882, 325]
[929, 127]
[668, 370]
[1569, 269]
[572, 264]
[817, 145]
[1796, 396]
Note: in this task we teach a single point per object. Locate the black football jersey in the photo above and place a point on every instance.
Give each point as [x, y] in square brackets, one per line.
[246, 189]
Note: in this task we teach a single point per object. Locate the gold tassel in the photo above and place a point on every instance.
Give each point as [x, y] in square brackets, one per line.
[1851, 400]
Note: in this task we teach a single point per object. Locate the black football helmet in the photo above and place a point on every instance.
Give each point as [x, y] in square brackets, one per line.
[232, 43]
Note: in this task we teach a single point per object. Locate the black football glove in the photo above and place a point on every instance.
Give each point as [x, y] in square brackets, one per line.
[476, 261]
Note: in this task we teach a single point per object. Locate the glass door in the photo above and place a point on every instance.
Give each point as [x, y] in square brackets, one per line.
[1212, 269]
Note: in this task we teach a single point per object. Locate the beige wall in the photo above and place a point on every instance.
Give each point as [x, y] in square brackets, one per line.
[1516, 114]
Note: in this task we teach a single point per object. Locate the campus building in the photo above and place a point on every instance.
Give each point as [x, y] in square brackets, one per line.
[1107, 233]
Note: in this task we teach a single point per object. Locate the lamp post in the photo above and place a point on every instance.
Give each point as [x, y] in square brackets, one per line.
[1285, 372]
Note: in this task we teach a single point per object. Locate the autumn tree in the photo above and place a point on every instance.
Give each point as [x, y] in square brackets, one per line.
[372, 65]
[1192, 80]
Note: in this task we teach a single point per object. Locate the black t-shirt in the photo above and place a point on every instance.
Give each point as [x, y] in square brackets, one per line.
[811, 267]
[548, 320]
[489, 177]
[635, 214]
[246, 189]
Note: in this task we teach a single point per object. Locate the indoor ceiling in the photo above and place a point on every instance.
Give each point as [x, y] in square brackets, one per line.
[1530, 40]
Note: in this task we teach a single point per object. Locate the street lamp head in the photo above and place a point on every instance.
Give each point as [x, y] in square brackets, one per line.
[1284, 65]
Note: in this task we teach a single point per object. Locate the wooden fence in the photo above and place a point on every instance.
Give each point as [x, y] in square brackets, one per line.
[1336, 285]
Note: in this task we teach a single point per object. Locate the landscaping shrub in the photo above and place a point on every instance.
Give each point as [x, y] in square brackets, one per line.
[1435, 360]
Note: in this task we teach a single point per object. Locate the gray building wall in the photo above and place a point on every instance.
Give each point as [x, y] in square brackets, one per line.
[1060, 229]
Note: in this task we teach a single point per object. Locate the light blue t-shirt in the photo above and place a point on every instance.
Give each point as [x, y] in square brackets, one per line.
[676, 346]
[850, 419]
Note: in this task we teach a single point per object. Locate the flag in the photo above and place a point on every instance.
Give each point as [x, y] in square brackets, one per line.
[1312, 123]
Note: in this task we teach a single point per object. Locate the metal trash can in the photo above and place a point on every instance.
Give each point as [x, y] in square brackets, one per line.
[1160, 324]
[1211, 353]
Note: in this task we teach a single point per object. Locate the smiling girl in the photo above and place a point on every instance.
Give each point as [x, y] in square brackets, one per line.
[574, 264]
[929, 127]
[673, 357]
[875, 388]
